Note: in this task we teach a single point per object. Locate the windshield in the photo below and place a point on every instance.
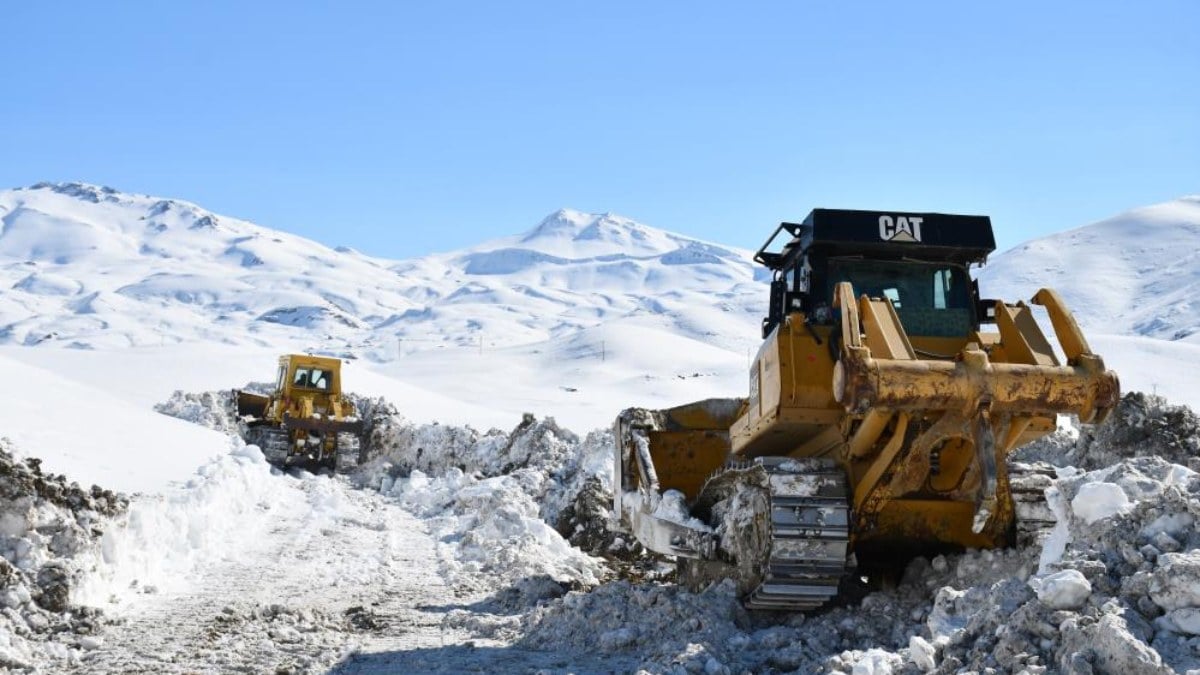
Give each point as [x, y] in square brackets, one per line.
[932, 300]
[312, 378]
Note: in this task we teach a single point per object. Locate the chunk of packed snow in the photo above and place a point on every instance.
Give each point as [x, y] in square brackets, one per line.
[1096, 501]
[875, 662]
[673, 507]
[1067, 589]
[1176, 581]
[1055, 543]
[922, 653]
[1183, 620]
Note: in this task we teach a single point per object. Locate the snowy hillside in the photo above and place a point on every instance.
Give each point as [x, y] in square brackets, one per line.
[87, 267]
[578, 317]
[90, 267]
[476, 539]
[576, 270]
[1137, 273]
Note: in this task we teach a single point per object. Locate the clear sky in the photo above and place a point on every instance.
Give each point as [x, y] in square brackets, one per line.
[402, 128]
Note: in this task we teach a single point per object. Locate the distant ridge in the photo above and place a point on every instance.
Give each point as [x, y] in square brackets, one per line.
[1137, 273]
[88, 266]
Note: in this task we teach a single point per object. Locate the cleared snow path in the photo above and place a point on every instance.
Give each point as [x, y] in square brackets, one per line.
[289, 602]
[343, 579]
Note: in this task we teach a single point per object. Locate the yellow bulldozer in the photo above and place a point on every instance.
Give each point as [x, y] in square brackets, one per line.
[305, 421]
[879, 417]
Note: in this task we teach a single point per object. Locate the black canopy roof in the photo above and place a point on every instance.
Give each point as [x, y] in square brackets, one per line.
[884, 234]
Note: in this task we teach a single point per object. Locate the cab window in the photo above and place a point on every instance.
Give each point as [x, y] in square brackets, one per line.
[931, 300]
[312, 378]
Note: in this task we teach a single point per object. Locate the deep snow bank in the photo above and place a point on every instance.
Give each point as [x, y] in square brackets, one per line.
[47, 529]
[1143, 425]
[88, 433]
[491, 498]
[220, 512]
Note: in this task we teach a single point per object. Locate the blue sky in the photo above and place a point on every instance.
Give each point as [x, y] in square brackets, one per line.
[406, 128]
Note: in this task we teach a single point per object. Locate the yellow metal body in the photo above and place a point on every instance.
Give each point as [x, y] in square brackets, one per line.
[306, 385]
[306, 401]
[922, 439]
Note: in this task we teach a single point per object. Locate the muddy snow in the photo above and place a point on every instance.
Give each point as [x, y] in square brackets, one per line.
[457, 550]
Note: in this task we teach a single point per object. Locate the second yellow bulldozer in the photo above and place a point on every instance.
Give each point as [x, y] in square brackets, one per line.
[879, 416]
[305, 421]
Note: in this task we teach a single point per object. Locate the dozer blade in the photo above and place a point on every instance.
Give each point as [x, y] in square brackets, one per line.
[662, 450]
[252, 405]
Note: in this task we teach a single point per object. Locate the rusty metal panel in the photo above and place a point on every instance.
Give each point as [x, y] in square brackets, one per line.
[683, 460]
[713, 413]
[904, 525]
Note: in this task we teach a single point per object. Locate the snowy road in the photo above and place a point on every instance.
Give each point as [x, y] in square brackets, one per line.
[343, 579]
[283, 603]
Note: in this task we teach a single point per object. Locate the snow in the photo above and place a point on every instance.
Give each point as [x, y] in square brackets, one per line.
[1185, 620]
[1067, 589]
[1059, 537]
[491, 530]
[1167, 368]
[222, 510]
[1136, 273]
[1099, 500]
[1176, 582]
[80, 430]
[922, 653]
[144, 376]
[672, 507]
[473, 539]
[90, 267]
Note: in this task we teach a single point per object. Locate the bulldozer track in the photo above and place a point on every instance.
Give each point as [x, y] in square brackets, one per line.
[349, 452]
[275, 446]
[273, 442]
[1034, 517]
[800, 554]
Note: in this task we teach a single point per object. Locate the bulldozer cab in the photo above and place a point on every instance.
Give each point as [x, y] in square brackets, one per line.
[917, 261]
[931, 299]
[301, 374]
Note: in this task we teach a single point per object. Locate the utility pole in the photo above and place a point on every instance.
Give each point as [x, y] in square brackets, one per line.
[602, 352]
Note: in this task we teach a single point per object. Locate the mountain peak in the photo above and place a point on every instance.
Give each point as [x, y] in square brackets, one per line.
[573, 233]
[562, 223]
[83, 191]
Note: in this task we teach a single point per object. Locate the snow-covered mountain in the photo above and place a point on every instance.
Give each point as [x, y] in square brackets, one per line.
[87, 267]
[1137, 273]
[578, 317]
[577, 270]
[90, 267]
